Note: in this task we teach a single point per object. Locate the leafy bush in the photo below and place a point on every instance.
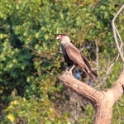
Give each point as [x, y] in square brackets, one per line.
[31, 111]
[30, 59]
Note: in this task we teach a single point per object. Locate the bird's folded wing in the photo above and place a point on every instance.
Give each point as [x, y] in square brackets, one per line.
[86, 61]
[75, 55]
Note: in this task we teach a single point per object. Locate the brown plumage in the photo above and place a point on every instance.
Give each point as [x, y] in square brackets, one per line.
[73, 56]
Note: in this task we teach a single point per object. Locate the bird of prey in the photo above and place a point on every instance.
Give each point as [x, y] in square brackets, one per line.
[73, 56]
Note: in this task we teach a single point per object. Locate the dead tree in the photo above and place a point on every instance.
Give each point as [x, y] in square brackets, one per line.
[102, 101]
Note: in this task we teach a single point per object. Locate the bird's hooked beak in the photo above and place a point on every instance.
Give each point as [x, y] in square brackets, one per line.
[59, 37]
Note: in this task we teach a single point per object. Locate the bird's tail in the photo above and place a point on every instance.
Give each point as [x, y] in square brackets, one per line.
[92, 74]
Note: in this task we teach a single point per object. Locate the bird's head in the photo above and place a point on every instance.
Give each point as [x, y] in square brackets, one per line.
[63, 38]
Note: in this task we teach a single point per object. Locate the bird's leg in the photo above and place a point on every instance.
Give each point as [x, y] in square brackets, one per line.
[72, 68]
[70, 71]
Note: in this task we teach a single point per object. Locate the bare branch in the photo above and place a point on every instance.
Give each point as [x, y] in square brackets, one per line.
[119, 37]
[121, 45]
[108, 72]
[81, 88]
[97, 60]
[115, 33]
[26, 46]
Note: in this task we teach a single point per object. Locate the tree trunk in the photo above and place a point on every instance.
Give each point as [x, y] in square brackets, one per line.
[102, 101]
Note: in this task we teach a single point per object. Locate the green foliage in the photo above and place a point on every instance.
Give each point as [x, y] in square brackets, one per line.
[30, 60]
[118, 112]
[88, 115]
[32, 112]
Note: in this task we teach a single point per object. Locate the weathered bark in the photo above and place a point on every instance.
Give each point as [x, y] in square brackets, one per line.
[102, 101]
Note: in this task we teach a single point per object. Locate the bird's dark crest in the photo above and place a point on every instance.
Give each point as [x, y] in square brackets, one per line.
[63, 34]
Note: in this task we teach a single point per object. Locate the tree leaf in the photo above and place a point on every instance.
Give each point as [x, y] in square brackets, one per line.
[11, 117]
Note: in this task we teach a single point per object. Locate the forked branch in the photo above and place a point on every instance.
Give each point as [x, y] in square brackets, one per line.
[116, 35]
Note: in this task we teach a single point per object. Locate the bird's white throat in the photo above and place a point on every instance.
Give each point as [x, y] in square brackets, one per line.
[65, 40]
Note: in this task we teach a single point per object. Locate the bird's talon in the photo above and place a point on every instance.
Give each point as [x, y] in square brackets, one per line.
[68, 72]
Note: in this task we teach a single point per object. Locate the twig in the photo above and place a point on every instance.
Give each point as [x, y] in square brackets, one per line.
[31, 49]
[115, 33]
[121, 45]
[38, 53]
[108, 72]
[97, 60]
[119, 37]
